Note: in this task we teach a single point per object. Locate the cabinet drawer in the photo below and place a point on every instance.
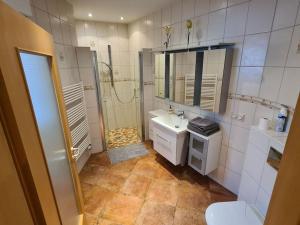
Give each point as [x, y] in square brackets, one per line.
[163, 144]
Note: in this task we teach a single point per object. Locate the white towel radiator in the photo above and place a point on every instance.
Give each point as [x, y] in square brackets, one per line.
[77, 118]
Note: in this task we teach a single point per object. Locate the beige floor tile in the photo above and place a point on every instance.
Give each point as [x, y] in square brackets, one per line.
[122, 209]
[110, 191]
[136, 185]
[110, 181]
[156, 214]
[107, 222]
[95, 200]
[147, 169]
[91, 219]
[192, 196]
[188, 217]
[163, 192]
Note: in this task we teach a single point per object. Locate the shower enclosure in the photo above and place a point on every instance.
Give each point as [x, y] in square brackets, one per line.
[119, 99]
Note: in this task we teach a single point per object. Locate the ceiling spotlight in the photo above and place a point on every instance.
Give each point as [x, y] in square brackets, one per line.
[122, 18]
[90, 14]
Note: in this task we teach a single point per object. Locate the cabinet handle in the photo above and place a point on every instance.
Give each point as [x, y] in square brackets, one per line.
[162, 138]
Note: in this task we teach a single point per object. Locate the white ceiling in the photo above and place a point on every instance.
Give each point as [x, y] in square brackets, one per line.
[112, 10]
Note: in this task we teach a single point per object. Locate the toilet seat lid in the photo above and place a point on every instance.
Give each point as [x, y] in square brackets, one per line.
[232, 213]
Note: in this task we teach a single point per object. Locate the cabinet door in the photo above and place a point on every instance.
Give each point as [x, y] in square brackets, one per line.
[197, 162]
[198, 145]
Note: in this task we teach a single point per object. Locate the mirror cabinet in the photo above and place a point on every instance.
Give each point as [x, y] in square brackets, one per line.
[195, 77]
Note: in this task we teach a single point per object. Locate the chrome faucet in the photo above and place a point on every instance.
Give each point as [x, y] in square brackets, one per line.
[180, 113]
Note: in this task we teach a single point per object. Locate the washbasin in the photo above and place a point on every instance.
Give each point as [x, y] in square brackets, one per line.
[172, 122]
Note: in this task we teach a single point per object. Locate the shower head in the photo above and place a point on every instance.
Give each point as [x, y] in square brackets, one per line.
[110, 73]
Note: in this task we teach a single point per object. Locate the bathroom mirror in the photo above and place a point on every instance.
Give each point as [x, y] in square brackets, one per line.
[216, 69]
[160, 75]
[182, 77]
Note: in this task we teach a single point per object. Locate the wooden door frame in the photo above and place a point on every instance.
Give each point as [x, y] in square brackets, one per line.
[36, 184]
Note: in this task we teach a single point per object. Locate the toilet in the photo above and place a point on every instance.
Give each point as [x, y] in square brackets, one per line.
[232, 213]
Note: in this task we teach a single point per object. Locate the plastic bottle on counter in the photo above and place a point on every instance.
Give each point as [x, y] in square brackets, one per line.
[281, 120]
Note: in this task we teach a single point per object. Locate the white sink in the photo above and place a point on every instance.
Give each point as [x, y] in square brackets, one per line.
[172, 122]
[169, 133]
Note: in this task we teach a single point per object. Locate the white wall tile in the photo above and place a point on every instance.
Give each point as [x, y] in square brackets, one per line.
[42, 19]
[249, 80]
[166, 16]
[234, 2]
[279, 47]
[188, 9]
[286, 13]
[41, 4]
[255, 50]
[247, 109]
[176, 11]
[236, 20]
[56, 29]
[66, 33]
[268, 178]
[254, 162]
[294, 53]
[200, 25]
[52, 7]
[201, 7]
[223, 155]
[238, 138]
[216, 24]
[233, 80]
[260, 16]
[217, 4]
[237, 49]
[235, 160]
[259, 139]
[87, 76]
[262, 201]
[176, 35]
[232, 181]
[248, 189]
[271, 82]
[225, 128]
[298, 17]
[290, 87]
[263, 112]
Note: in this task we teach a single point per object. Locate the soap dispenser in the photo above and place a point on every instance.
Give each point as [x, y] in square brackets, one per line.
[171, 110]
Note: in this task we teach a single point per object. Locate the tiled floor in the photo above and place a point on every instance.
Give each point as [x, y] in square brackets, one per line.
[146, 191]
[122, 137]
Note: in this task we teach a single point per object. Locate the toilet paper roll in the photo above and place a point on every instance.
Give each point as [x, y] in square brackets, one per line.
[263, 124]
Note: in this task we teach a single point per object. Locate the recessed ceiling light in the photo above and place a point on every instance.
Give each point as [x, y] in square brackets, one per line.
[90, 14]
[122, 18]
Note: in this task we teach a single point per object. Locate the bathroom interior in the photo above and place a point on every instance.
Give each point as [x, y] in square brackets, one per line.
[162, 112]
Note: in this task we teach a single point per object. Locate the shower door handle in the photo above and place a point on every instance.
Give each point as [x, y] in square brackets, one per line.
[75, 153]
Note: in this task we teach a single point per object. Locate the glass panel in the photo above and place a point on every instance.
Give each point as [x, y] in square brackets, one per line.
[120, 100]
[198, 145]
[159, 78]
[43, 98]
[182, 78]
[196, 163]
[212, 77]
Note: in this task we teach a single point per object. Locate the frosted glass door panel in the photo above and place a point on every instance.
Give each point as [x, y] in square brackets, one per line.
[43, 98]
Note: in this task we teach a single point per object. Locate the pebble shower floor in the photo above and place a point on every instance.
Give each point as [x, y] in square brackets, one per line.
[122, 137]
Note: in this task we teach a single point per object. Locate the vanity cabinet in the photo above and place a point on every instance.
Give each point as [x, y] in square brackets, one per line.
[169, 144]
[204, 152]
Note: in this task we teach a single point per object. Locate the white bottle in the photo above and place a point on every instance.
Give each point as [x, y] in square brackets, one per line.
[281, 120]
